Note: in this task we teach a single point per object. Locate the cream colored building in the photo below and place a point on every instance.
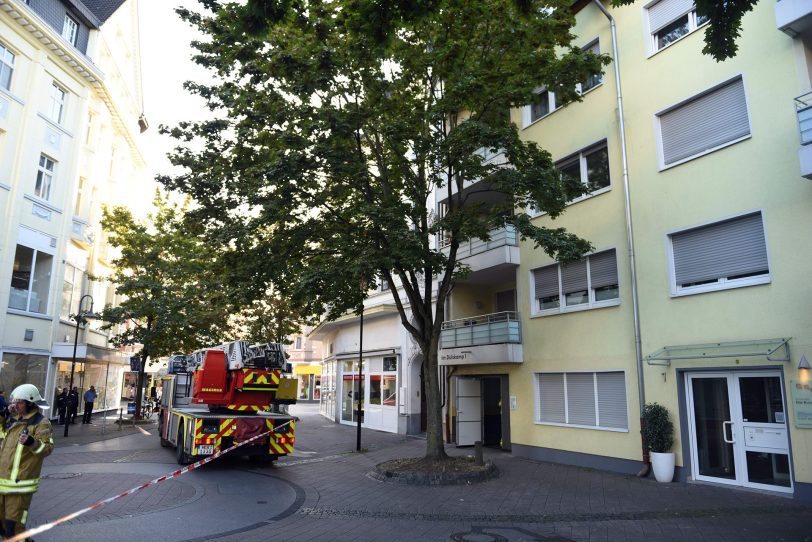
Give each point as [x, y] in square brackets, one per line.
[70, 103]
[545, 358]
[388, 386]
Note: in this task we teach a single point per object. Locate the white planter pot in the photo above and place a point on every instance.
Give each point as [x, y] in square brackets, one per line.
[663, 466]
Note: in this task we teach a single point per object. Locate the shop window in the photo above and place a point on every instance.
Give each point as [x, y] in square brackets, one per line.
[390, 391]
[375, 390]
[390, 363]
[23, 369]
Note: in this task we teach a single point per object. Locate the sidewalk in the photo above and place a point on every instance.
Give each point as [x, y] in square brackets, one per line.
[337, 500]
[102, 427]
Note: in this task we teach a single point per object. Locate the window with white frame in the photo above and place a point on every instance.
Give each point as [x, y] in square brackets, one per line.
[298, 343]
[582, 399]
[71, 291]
[6, 66]
[670, 20]
[30, 280]
[704, 123]
[70, 29]
[544, 104]
[590, 165]
[56, 103]
[45, 177]
[596, 78]
[591, 282]
[727, 254]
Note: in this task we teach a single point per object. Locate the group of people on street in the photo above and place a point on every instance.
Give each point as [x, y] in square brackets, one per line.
[67, 404]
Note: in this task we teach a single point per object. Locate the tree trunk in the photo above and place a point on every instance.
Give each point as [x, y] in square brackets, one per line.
[435, 447]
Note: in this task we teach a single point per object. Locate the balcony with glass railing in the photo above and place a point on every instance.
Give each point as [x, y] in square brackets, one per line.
[486, 338]
[803, 112]
[794, 18]
[501, 250]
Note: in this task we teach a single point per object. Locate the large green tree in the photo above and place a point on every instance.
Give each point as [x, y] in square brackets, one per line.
[172, 293]
[269, 319]
[338, 121]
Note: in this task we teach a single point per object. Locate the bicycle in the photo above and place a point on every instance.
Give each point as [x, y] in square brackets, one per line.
[147, 408]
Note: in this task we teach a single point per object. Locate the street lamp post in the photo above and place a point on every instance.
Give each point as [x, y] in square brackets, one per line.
[80, 318]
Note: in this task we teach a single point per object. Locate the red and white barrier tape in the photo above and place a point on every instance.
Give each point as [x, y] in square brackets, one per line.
[99, 504]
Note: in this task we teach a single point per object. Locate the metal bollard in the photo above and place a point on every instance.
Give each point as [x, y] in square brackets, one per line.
[478, 453]
[120, 421]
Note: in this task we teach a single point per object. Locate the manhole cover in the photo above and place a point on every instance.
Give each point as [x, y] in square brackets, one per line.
[63, 475]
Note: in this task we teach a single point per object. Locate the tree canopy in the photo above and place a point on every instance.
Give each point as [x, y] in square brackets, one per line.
[337, 123]
[172, 296]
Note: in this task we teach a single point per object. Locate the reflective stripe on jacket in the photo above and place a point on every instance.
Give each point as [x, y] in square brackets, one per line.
[20, 465]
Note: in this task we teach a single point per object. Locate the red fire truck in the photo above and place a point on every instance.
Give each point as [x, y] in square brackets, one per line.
[227, 394]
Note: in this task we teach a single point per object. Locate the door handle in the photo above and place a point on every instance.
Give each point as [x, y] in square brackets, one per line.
[724, 432]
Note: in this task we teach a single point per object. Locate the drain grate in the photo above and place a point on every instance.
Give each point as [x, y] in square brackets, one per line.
[63, 475]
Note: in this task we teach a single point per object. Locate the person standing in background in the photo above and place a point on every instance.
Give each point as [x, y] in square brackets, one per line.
[73, 405]
[62, 405]
[90, 398]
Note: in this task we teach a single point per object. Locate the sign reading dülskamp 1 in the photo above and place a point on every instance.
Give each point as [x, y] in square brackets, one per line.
[802, 403]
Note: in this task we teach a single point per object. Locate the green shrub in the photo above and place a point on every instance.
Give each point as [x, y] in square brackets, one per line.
[657, 430]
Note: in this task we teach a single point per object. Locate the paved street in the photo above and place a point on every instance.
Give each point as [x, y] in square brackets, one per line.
[323, 493]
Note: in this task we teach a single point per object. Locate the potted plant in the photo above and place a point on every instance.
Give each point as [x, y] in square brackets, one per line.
[658, 434]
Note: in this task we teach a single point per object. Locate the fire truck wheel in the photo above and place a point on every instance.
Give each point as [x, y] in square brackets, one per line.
[182, 456]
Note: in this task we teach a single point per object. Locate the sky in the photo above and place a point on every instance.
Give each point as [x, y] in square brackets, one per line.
[165, 64]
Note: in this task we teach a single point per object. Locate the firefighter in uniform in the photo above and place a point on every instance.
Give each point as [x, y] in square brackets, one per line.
[27, 440]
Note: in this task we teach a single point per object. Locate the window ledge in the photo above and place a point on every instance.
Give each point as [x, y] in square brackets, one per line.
[18, 312]
[577, 308]
[731, 285]
[55, 125]
[595, 427]
[664, 167]
[10, 95]
[5, 187]
[43, 203]
[691, 33]
[585, 197]
[591, 89]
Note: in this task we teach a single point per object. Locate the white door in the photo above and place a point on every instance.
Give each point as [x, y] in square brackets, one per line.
[739, 430]
[469, 411]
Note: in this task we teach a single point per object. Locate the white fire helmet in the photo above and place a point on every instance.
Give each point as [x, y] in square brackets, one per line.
[29, 392]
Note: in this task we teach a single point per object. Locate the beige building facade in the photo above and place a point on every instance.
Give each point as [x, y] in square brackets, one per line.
[69, 122]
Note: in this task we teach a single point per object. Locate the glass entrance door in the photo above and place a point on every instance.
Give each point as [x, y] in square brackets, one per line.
[738, 429]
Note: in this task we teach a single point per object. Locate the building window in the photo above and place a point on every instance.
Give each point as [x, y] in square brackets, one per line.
[6, 66]
[727, 254]
[80, 189]
[71, 291]
[591, 166]
[670, 20]
[705, 123]
[56, 104]
[596, 78]
[384, 285]
[544, 104]
[70, 30]
[591, 282]
[595, 400]
[30, 280]
[298, 343]
[45, 177]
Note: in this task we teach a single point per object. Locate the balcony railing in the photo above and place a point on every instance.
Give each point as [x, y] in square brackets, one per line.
[499, 237]
[496, 328]
[803, 109]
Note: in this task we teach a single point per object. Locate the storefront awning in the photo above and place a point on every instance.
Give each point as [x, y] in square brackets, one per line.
[89, 353]
[307, 369]
[772, 349]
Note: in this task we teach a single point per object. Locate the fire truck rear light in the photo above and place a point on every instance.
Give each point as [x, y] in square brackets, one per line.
[281, 440]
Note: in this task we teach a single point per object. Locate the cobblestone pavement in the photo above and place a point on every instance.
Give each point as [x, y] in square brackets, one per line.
[328, 495]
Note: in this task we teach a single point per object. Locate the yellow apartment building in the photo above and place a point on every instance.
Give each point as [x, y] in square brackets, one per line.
[696, 293]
